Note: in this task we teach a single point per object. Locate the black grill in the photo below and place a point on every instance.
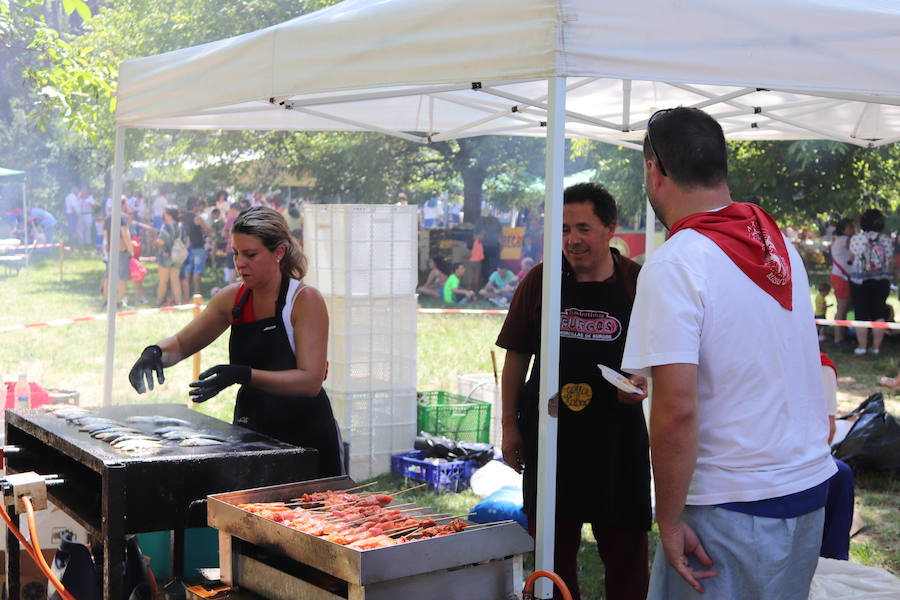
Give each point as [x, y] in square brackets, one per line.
[112, 493]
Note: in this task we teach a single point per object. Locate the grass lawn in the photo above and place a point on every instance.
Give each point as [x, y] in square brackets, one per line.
[72, 357]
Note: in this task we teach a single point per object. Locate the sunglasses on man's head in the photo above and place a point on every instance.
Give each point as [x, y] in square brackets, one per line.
[659, 163]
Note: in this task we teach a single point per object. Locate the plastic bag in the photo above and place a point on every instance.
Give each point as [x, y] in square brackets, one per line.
[137, 269]
[844, 580]
[74, 567]
[503, 505]
[873, 442]
[493, 476]
[138, 581]
[441, 447]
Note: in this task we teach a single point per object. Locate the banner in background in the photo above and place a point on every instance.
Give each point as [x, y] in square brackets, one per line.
[511, 242]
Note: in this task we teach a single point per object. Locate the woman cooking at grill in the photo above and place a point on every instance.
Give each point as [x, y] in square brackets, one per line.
[279, 337]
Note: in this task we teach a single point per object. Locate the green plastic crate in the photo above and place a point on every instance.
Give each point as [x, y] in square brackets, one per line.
[453, 416]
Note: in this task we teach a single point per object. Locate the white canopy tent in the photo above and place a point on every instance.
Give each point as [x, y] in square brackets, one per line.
[444, 69]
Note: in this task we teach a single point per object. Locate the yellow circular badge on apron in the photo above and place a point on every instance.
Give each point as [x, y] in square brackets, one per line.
[577, 395]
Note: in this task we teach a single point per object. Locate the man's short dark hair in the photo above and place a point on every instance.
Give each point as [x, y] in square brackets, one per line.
[872, 220]
[596, 194]
[690, 145]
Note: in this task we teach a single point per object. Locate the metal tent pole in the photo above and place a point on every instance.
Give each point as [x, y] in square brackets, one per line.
[112, 283]
[547, 426]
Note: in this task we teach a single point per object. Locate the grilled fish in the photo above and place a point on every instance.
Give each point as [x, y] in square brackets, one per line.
[183, 434]
[97, 427]
[138, 444]
[86, 424]
[158, 420]
[200, 441]
[109, 434]
[132, 436]
[126, 440]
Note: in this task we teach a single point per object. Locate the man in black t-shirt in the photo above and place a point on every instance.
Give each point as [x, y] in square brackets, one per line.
[603, 465]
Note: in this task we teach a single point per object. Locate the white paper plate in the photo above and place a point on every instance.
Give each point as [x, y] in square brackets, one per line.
[619, 380]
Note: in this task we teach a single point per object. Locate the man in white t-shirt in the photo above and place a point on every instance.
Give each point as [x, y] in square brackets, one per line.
[73, 217]
[432, 212]
[160, 204]
[723, 324]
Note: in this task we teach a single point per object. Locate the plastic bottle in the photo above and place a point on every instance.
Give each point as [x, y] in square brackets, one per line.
[23, 392]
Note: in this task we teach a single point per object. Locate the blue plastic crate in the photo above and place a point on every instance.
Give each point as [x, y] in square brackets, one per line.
[450, 476]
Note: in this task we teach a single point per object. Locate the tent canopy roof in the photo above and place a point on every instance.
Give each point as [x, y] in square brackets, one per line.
[770, 69]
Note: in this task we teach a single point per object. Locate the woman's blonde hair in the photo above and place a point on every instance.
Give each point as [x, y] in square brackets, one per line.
[272, 230]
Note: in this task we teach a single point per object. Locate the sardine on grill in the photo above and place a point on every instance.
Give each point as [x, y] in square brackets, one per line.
[158, 420]
[200, 441]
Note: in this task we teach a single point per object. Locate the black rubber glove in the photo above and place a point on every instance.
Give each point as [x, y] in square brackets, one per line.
[217, 378]
[150, 361]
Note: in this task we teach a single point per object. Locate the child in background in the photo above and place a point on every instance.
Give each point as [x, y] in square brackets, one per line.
[822, 306]
[526, 265]
[475, 259]
[454, 293]
[434, 284]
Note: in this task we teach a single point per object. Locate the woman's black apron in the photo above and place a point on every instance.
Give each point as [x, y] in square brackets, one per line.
[603, 465]
[297, 420]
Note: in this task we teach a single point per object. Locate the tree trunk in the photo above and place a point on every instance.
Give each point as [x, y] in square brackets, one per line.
[473, 179]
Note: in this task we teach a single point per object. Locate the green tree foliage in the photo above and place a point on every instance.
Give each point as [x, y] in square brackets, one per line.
[77, 80]
[508, 163]
[49, 154]
[620, 170]
[799, 181]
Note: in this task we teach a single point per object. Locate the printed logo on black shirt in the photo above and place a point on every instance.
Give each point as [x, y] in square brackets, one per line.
[592, 325]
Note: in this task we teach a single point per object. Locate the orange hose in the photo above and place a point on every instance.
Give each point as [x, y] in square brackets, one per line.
[528, 591]
[45, 568]
[16, 532]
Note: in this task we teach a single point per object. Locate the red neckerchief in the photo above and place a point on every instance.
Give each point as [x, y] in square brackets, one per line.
[827, 362]
[752, 240]
[246, 312]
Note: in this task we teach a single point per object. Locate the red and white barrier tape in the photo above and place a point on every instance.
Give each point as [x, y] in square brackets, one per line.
[462, 311]
[80, 250]
[427, 311]
[30, 246]
[53, 245]
[864, 324]
[70, 249]
[101, 317]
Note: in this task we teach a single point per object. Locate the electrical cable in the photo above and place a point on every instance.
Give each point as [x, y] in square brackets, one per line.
[45, 568]
[16, 532]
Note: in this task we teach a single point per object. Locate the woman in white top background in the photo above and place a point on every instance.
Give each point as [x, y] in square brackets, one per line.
[840, 273]
[870, 277]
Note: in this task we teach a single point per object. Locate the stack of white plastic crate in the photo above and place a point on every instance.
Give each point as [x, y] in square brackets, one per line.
[362, 258]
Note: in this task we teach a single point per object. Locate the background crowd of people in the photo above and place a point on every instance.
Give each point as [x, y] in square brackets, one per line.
[863, 265]
[184, 238]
